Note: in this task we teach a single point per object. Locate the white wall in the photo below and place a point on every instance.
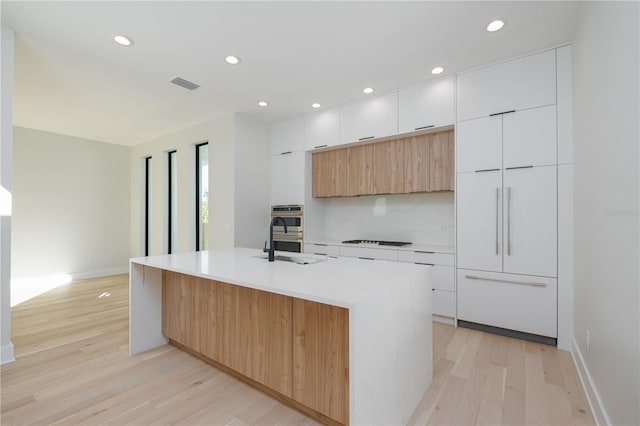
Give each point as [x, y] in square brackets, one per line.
[6, 171]
[238, 164]
[418, 218]
[252, 182]
[606, 202]
[70, 205]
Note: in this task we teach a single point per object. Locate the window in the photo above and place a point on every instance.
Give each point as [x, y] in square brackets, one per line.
[147, 205]
[202, 196]
[172, 200]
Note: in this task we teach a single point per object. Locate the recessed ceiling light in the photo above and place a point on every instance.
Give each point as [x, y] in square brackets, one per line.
[437, 70]
[123, 40]
[263, 103]
[367, 90]
[316, 105]
[233, 60]
[495, 25]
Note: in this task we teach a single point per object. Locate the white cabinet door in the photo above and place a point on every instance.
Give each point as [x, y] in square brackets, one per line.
[515, 85]
[287, 178]
[530, 221]
[321, 249]
[369, 253]
[322, 129]
[443, 278]
[443, 303]
[479, 213]
[287, 136]
[515, 302]
[479, 144]
[370, 119]
[529, 137]
[425, 106]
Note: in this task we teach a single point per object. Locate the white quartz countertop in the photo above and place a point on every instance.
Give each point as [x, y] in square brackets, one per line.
[335, 281]
[429, 248]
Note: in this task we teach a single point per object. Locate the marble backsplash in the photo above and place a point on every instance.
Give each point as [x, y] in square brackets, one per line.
[418, 218]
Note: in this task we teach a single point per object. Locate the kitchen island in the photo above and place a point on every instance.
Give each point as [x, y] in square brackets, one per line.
[347, 341]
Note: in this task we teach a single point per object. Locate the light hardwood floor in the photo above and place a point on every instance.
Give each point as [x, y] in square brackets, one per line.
[73, 367]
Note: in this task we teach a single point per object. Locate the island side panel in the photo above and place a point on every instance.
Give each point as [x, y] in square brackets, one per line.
[391, 349]
[145, 308]
[321, 358]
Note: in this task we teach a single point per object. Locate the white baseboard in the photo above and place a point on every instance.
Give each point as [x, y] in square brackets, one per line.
[444, 320]
[6, 354]
[593, 397]
[100, 273]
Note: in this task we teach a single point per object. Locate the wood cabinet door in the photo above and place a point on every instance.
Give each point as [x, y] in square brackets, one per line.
[321, 358]
[441, 168]
[359, 172]
[479, 221]
[263, 338]
[329, 173]
[427, 105]
[388, 172]
[178, 309]
[531, 221]
[416, 163]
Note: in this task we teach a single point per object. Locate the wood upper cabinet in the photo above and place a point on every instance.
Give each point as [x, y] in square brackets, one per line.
[441, 156]
[422, 163]
[388, 167]
[416, 163]
[329, 173]
[359, 170]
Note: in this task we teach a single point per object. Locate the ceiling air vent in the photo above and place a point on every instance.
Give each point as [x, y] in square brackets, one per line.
[184, 83]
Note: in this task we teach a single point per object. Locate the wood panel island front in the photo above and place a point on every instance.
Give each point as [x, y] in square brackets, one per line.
[346, 341]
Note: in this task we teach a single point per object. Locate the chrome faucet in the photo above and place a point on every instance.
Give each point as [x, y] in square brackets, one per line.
[274, 221]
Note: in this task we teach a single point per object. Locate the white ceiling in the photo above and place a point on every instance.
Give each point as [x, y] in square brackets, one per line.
[71, 78]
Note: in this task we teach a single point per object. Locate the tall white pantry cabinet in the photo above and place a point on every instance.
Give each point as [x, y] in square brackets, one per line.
[507, 192]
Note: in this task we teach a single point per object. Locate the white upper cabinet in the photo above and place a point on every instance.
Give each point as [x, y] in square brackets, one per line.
[322, 129]
[479, 144]
[530, 137]
[287, 178]
[515, 85]
[370, 119]
[425, 106]
[287, 136]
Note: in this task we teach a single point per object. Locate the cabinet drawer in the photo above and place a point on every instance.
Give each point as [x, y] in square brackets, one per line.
[324, 249]
[516, 302]
[369, 253]
[426, 257]
[443, 303]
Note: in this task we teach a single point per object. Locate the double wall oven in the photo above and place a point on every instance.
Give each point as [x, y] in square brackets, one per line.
[293, 215]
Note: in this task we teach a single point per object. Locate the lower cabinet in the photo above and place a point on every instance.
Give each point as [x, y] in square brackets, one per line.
[321, 358]
[443, 302]
[296, 348]
[516, 302]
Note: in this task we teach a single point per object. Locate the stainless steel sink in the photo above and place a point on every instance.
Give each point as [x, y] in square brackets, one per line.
[294, 259]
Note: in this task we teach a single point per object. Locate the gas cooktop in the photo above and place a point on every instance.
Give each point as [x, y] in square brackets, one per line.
[377, 243]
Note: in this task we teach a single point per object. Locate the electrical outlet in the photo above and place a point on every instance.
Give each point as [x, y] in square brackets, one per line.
[588, 340]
